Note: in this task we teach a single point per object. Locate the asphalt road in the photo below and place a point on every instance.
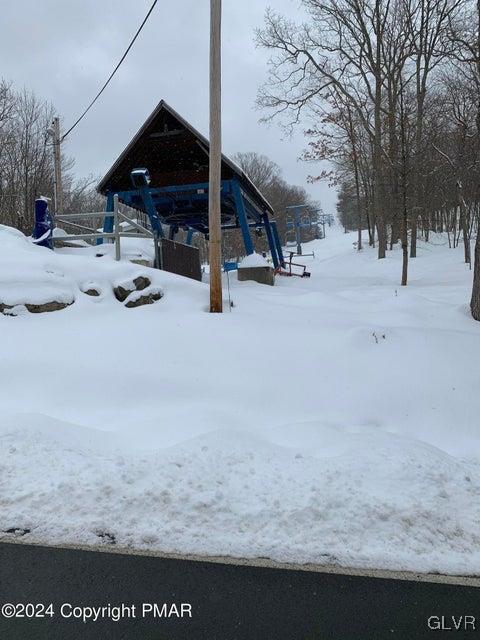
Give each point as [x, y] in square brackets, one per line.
[226, 601]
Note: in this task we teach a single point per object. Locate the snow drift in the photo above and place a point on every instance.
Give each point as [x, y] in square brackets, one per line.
[331, 420]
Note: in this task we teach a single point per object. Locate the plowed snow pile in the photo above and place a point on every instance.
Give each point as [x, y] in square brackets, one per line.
[333, 419]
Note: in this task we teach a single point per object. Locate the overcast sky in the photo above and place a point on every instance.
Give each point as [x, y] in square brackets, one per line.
[65, 49]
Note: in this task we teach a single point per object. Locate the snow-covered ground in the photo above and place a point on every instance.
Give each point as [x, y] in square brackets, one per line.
[331, 420]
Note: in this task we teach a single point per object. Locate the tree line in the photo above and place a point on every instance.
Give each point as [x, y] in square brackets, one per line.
[391, 91]
[26, 167]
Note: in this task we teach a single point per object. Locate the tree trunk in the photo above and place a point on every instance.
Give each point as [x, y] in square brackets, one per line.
[475, 300]
[466, 239]
[413, 242]
[369, 226]
[405, 249]
[357, 181]
[404, 231]
[377, 143]
[462, 222]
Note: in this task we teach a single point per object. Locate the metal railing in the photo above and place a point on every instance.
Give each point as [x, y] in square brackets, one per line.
[93, 234]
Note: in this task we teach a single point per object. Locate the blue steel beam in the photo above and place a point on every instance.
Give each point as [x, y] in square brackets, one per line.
[242, 218]
[278, 244]
[271, 240]
[199, 189]
[298, 233]
[151, 211]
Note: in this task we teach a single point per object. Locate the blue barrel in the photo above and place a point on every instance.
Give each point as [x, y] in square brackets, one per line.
[43, 224]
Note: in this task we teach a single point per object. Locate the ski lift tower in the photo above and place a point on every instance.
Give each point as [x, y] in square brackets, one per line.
[296, 223]
[324, 218]
[298, 219]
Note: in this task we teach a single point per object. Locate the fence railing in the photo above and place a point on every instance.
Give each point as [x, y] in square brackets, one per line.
[94, 234]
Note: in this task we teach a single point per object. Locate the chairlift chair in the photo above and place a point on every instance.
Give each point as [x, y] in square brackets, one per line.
[289, 271]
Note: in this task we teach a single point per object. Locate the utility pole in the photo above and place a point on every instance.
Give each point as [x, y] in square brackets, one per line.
[215, 160]
[57, 165]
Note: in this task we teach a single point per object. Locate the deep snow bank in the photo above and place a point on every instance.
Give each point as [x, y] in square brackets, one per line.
[32, 275]
[362, 499]
[331, 420]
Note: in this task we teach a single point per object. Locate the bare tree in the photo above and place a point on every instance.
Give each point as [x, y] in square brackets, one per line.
[342, 48]
[392, 112]
[261, 170]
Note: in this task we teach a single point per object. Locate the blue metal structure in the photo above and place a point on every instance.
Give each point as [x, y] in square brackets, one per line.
[172, 186]
[302, 219]
[278, 244]
[230, 265]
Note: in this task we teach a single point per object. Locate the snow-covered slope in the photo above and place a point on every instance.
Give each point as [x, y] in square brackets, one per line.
[331, 419]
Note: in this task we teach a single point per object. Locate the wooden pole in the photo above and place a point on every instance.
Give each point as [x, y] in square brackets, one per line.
[215, 170]
[116, 218]
[57, 160]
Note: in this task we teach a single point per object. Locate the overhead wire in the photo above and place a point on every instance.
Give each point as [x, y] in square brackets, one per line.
[132, 42]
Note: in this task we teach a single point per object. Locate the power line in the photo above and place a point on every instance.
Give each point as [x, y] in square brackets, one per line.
[113, 72]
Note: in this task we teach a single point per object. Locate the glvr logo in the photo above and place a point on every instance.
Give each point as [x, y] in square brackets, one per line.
[451, 623]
